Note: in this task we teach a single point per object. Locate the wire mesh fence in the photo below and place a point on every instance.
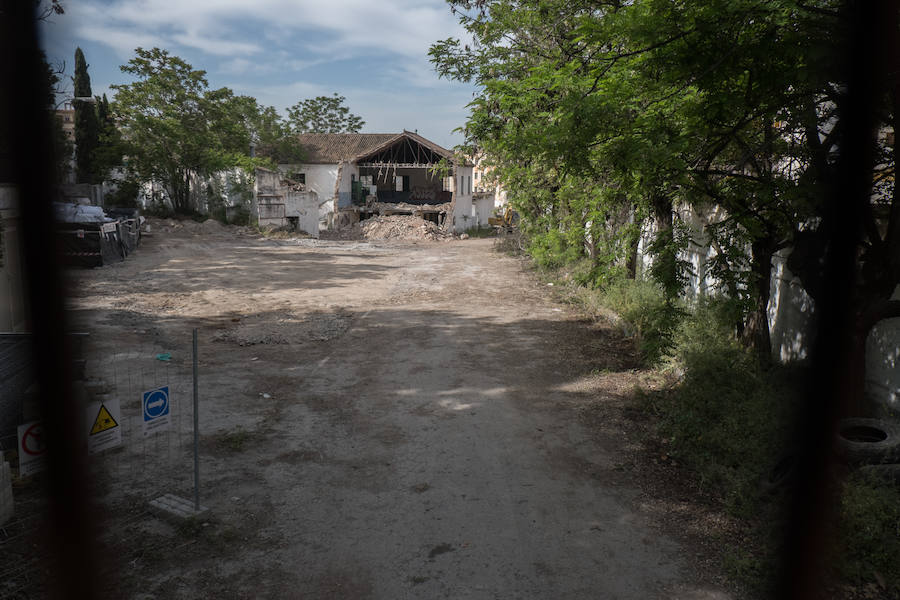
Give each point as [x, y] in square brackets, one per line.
[153, 392]
[138, 402]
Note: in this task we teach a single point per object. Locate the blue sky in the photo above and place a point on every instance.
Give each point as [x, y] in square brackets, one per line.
[282, 51]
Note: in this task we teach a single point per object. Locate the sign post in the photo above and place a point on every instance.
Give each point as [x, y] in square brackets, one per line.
[196, 427]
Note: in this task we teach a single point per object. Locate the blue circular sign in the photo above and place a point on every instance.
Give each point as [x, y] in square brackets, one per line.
[156, 404]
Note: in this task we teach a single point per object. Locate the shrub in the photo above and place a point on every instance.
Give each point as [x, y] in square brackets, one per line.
[869, 532]
[240, 216]
[729, 417]
[642, 305]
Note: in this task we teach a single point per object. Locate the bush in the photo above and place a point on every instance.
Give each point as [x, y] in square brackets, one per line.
[642, 305]
[552, 249]
[869, 532]
[729, 418]
[240, 216]
[218, 213]
[481, 232]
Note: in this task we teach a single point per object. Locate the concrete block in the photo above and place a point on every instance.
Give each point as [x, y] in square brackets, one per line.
[6, 496]
[177, 508]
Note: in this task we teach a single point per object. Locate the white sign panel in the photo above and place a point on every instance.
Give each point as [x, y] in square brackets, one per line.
[156, 409]
[104, 425]
[32, 449]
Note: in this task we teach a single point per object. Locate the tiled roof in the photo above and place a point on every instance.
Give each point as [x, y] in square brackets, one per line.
[331, 148]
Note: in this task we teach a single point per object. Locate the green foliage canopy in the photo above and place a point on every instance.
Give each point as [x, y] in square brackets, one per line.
[173, 126]
[603, 117]
[323, 114]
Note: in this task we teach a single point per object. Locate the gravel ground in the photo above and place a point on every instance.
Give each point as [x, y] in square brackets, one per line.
[435, 425]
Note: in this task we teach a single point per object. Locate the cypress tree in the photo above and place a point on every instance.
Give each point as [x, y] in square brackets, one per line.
[108, 154]
[87, 130]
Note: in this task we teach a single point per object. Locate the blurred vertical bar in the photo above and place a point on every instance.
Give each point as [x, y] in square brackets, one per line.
[27, 160]
[869, 34]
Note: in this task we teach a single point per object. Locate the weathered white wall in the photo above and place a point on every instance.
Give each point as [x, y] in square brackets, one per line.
[304, 206]
[791, 312]
[462, 199]
[12, 290]
[883, 362]
[484, 208]
[273, 197]
[320, 179]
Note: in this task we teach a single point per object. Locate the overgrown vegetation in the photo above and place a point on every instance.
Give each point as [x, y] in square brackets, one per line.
[870, 533]
[727, 422]
[711, 127]
[659, 151]
[481, 232]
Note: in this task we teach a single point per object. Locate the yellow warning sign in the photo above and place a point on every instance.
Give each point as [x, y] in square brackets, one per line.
[103, 422]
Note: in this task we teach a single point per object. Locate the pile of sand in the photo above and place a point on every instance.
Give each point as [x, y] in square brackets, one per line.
[399, 227]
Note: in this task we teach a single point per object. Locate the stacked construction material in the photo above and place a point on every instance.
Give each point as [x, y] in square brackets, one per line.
[89, 237]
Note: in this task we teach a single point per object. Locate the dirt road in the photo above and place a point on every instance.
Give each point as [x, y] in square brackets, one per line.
[419, 436]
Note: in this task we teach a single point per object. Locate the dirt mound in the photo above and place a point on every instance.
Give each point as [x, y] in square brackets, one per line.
[211, 226]
[286, 328]
[398, 227]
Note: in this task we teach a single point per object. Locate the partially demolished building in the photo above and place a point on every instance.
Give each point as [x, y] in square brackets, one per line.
[354, 176]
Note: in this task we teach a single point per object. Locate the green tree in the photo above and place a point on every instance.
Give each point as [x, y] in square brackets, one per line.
[270, 135]
[108, 154]
[323, 114]
[588, 110]
[87, 128]
[173, 127]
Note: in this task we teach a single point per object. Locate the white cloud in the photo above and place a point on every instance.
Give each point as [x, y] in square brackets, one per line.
[374, 53]
[283, 95]
[227, 27]
[219, 47]
[123, 42]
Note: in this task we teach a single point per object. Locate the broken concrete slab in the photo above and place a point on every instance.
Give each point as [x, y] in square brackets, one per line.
[177, 508]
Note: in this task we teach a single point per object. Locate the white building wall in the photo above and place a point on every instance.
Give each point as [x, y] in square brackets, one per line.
[305, 207]
[319, 178]
[462, 199]
[484, 208]
[883, 362]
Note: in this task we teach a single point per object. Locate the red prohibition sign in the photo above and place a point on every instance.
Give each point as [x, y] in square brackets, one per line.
[32, 440]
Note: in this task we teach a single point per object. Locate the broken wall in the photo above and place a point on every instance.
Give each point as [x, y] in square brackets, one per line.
[422, 187]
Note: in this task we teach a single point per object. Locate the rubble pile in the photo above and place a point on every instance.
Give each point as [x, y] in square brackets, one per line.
[401, 227]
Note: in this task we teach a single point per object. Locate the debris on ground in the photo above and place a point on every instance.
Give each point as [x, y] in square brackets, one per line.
[286, 328]
[395, 227]
[207, 227]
